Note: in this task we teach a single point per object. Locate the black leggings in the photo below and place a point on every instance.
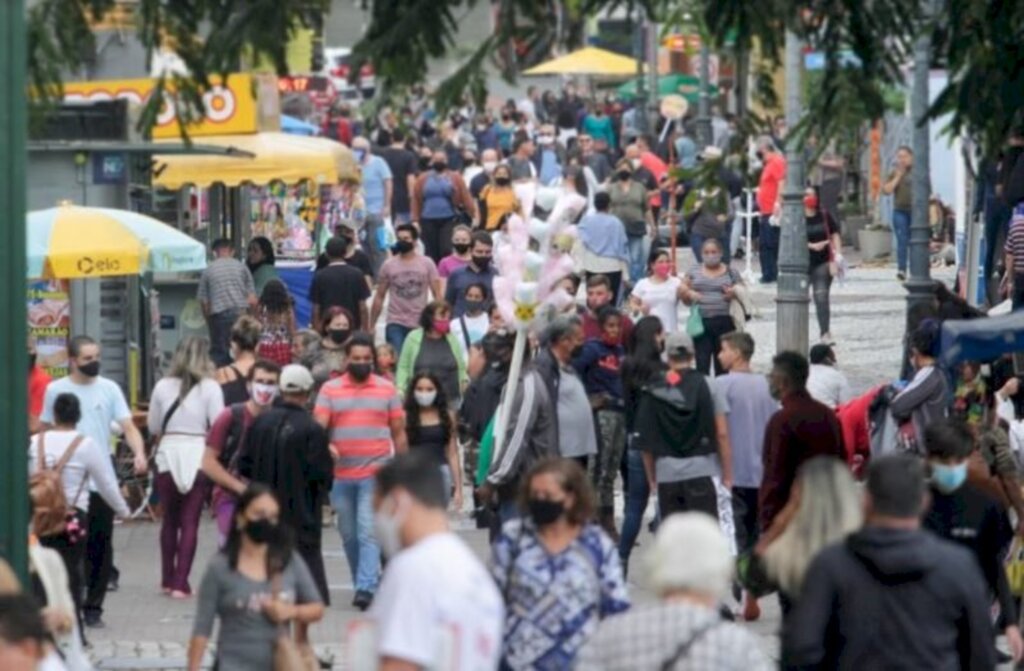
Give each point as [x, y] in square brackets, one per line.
[821, 285]
[707, 345]
[73, 555]
[437, 237]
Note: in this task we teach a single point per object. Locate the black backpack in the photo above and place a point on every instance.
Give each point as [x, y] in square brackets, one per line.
[229, 452]
[677, 420]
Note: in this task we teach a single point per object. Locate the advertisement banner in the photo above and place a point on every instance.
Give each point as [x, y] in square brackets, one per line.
[287, 215]
[49, 322]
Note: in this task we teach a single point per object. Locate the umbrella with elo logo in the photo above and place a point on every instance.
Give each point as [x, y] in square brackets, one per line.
[72, 242]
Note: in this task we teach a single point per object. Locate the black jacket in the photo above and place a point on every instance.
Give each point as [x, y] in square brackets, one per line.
[481, 400]
[547, 367]
[891, 599]
[287, 450]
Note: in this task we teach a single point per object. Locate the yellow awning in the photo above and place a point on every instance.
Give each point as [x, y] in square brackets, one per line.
[276, 156]
[587, 61]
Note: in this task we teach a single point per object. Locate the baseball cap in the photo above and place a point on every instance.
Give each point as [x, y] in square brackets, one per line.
[295, 379]
[678, 340]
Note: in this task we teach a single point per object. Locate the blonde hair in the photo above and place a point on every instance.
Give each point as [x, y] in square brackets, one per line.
[191, 363]
[830, 509]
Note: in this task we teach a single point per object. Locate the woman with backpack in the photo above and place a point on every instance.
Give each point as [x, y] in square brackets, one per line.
[182, 408]
[62, 462]
[440, 200]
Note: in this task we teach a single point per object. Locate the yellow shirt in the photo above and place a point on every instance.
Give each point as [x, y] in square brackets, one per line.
[499, 202]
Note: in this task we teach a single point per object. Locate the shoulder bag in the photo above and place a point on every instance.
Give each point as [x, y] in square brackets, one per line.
[287, 654]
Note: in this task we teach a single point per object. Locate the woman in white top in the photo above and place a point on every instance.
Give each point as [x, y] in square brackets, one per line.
[87, 461]
[659, 293]
[473, 325]
[182, 407]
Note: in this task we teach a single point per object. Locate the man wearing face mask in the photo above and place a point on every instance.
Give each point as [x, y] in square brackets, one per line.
[339, 284]
[363, 416]
[479, 270]
[563, 342]
[407, 277]
[549, 159]
[434, 592]
[103, 404]
[964, 514]
[227, 437]
[404, 165]
[288, 450]
[378, 190]
[772, 176]
[488, 161]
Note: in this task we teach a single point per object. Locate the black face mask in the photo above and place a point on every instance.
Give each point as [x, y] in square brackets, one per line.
[424, 162]
[481, 262]
[623, 175]
[544, 512]
[262, 532]
[473, 306]
[32, 360]
[760, 155]
[439, 166]
[576, 351]
[339, 336]
[359, 371]
[91, 369]
[460, 247]
[402, 247]
[502, 181]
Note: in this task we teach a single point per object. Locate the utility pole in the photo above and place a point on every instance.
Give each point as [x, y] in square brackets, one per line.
[704, 131]
[791, 318]
[653, 113]
[13, 375]
[639, 54]
[919, 286]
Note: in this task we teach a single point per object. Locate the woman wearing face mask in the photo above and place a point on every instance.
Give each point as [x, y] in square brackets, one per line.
[659, 293]
[498, 199]
[557, 570]
[439, 198]
[459, 257]
[254, 586]
[630, 204]
[276, 312]
[475, 322]
[182, 408]
[825, 249]
[433, 348]
[335, 329]
[233, 378]
[707, 212]
[709, 286]
[430, 427]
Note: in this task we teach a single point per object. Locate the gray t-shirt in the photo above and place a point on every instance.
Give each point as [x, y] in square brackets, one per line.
[674, 469]
[751, 406]
[246, 639]
[576, 435]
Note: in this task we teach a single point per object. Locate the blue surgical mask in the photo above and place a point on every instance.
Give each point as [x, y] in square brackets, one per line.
[359, 153]
[947, 479]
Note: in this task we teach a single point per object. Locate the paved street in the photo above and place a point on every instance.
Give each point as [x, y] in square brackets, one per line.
[147, 630]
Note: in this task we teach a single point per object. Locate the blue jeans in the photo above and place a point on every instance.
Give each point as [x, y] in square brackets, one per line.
[769, 250]
[395, 335]
[637, 494]
[353, 501]
[901, 229]
[637, 260]
[220, 325]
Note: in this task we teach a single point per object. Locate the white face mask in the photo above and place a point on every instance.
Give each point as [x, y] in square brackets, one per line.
[545, 140]
[635, 163]
[489, 166]
[263, 394]
[388, 529]
[425, 398]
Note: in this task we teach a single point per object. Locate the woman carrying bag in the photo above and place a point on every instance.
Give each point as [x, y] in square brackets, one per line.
[709, 291]
[183, 406]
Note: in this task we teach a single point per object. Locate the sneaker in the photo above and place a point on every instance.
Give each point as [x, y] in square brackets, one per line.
[113, 585]
[362, 600]
[901, 276]
[94, 621]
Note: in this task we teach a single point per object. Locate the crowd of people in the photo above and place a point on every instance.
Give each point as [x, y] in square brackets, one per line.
[392, 408]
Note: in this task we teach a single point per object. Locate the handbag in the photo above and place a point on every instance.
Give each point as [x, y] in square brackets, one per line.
[288, 656]
[695, 323]
[833, 262]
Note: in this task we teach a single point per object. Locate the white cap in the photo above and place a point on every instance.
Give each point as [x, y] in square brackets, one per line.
[690, 552]
[295, 379]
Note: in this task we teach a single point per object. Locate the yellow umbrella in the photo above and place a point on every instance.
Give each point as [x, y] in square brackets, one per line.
[588, 61]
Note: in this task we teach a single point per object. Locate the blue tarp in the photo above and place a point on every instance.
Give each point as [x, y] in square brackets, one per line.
[298, 280]
[983, 339]
[290, 124]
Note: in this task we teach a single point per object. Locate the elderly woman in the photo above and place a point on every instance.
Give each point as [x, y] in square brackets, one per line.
[434, 348]
[690, 571]
[603, 247]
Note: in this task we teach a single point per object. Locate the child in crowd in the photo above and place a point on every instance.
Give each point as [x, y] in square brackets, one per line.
[386, 359]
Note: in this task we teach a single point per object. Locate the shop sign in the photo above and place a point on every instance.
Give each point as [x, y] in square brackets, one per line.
[230, 108]
[108, 168]
[49, 322]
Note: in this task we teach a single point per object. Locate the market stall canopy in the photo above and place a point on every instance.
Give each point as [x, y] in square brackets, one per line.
[687, 86]
[588, 61]
[275, 157]
[70, 242]
[981, 339]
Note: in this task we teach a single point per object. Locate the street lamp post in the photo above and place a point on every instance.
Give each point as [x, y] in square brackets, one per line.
[791, 323]
[919, 286]
[640, 54]
[704, 131]
[13, 375]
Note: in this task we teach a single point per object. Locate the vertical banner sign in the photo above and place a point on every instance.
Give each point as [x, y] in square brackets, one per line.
[49, 322]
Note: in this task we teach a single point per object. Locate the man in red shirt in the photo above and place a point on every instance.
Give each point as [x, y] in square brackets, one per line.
[37, 381]
[772, 175]
[599, 294]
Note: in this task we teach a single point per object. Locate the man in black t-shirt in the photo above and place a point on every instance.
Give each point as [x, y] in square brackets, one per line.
[340, 284]
[404, 166]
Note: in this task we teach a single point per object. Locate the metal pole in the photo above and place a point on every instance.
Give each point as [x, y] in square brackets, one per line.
[792, 300]
[919, 286]
[653, 112]
[705, 135]
[638, 53]
[13, 375]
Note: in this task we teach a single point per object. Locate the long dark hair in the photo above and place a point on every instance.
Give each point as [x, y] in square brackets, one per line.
[275, 297]
[643, 353]
[279, 553]
[412, 408]
[266, 247]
